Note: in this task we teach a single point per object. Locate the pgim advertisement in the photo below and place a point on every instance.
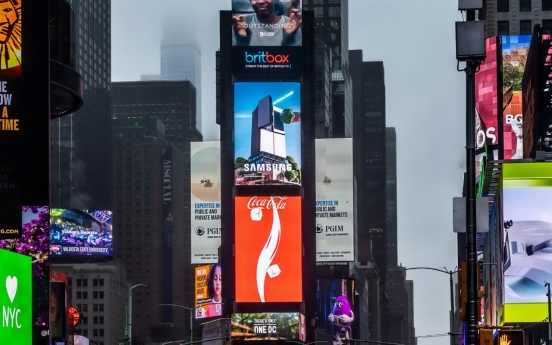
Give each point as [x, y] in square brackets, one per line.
[334, 200]
[268, 250]
[267, 139]
[205, 201]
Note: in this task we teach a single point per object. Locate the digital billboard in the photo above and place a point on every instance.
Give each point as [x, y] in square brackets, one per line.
[81, 232]
[334, 303]
[527, 236]
[267, 133]
[15, 297]
[334, 200]
[266, 23]
[268, 259]
[268, 326]
[205, 201]
[514, 58]
[208, 291]
[11, 134]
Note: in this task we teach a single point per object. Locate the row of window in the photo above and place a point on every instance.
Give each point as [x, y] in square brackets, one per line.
[503, 26]
[84, 282]
[524, 5]
[95, 294]
[96, 333]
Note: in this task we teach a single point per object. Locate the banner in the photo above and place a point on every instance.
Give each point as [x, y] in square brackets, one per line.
[208, 291]
[268, 326]
[205, 201]
[334, 200]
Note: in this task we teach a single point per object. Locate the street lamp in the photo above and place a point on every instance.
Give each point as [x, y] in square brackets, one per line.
[130, 310]
[190, 309]
[450, 273]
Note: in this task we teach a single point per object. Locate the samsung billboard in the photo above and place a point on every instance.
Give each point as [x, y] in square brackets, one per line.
[334, 200]
[268, 260]
[205, 201]
[267, 141]
[81, 232]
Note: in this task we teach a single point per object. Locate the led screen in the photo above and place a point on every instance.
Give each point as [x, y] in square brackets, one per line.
[205, 201]
[268, 249]
[334, 200]
[266, 23]
[208, 287]
[15, 297]
[268, 326]
[267, 127]
[527, 236]
[334, 297]
[81, 232]
[514, 59]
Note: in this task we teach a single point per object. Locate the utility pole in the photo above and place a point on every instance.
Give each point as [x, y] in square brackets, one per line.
[549, 315]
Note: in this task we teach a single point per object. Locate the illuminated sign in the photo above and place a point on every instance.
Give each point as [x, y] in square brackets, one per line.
[205, 201]
[268, 255]
[208, 291]
[74, 316]
[271, 60]
[510, 337]
[267, 144]
[81, 232]
[334, 200]
[268, 326]
[15, 297]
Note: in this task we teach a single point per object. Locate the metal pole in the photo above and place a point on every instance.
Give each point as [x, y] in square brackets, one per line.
[549, 316]
[191, 324]
[130, 316]
[452, 340]
[471, 232]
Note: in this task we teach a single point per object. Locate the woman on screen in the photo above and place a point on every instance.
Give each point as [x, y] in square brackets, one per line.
[214, 288]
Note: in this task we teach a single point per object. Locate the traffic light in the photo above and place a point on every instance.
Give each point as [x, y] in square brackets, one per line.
[510, 337]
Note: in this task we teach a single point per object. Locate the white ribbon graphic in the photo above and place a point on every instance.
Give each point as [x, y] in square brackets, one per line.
[269, 251]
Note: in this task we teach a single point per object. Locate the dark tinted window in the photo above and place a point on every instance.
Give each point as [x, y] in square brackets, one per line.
[503, 5]
[503, 28]
[525, 27]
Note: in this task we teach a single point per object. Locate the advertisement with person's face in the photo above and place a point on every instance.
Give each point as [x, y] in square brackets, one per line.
[514, 59]
[58, 318]
[208, 287]
[268, 249]
[81, 232]
[205, 201]
[334, 200]
[267, 140]
[527, 224]
[265, 23]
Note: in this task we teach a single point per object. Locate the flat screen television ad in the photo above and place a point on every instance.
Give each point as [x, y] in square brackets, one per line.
[208, 291]
[268, 244]
[81, 232]
[267, 140]
[266, 23]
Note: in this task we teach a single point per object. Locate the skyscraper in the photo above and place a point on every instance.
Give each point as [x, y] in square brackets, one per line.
[80, 163]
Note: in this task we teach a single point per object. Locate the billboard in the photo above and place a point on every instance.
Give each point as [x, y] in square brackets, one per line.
[268, 250]
[268, 326]
[334, 200]
[11, 134]
[208, 291]
[205, 201]
[527, 236]
[81, 232]
[267, 23]
[514, 58]
[16, 297]
[267, 139]
[328, 292]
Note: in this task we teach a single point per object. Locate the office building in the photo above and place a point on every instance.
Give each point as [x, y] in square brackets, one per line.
[511, 18]
[80, 161]
[100, 292]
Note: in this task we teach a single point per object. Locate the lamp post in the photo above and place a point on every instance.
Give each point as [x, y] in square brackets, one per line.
[546, 284]
[130, 310]
[190, 309]
[450, 273]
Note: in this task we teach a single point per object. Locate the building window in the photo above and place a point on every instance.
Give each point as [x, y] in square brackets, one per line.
[503, 28]
[524, 6]
[503, 6]
[547, 23]
[546, 5]
[525, 27]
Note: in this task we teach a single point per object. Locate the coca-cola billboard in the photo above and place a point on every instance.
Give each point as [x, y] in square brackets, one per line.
[268, 249]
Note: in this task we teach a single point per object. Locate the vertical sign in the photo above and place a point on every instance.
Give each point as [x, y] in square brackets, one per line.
[334, 200]
[10, 131]
[205, 201]
[208, 293]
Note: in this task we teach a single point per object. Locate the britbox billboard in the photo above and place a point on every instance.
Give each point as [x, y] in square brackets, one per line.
[334, 200]
[267, 139]
[268, 250]
[205, 201]
[81, 232]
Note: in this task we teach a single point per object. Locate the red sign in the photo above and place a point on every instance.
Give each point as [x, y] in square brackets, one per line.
[74, 316]
[268, 249]
[57, 277]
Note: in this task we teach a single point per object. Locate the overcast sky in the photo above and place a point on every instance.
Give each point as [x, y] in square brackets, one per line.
[425, 103]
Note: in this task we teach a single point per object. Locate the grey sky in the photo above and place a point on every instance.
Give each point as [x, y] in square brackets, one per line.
[425, 102]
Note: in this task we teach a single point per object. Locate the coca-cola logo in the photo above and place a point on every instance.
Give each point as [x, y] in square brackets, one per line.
[265, 202]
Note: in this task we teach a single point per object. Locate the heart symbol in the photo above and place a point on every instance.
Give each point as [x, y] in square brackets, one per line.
[11, 287]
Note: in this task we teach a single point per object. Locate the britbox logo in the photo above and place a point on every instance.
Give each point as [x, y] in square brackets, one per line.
[266, 57]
